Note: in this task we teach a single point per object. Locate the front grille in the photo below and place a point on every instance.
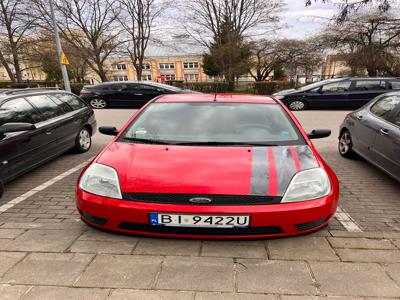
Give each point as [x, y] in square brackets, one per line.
[183, 199]
[93, 219]
[201, 231]
[311, 225]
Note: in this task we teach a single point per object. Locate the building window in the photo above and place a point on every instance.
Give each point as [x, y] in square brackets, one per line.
[120, 67]
[169, 77]
[191, 65]
[167, 66]
[146, 67]
[191, 77]
[146, 77]
[120, 78]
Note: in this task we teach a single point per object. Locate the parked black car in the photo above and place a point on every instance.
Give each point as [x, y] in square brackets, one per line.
[37, 125]
[373, 132]
[125, 93]
[337, 93]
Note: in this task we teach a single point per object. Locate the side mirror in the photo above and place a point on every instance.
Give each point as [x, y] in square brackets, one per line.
[16, 127]
[320, 91]
[108, 130]
[319, 133]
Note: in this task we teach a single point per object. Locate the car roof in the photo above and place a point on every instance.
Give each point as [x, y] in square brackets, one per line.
[15, 93]
[228, 98]
[374, 78]
[145, 82]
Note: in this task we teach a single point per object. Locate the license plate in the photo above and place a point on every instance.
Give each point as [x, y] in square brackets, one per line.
[189, 220]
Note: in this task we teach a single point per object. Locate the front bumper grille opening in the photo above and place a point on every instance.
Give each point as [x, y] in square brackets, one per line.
[184, 199]
[311, 225]
[93, 219]
[201, 231]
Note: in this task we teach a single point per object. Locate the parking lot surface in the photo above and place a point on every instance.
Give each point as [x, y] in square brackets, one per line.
[46, 252]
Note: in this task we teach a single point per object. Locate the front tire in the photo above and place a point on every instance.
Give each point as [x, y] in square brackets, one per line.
[98, 103]
[297, 105]
[345, 145]
[83, 140]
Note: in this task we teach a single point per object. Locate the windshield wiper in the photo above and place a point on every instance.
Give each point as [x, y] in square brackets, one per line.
[147, 141]
[249, 144]
[195, 143]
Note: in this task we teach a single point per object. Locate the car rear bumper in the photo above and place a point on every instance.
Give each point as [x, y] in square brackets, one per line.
[274, 220]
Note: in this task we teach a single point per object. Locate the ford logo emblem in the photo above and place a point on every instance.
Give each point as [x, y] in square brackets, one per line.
[200, 200]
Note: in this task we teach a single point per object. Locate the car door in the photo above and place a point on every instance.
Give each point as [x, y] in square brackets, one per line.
[149, 92]
[72, 120]
[54, 123]
[135, 97]
[20, 151]
[118, 95]
[386, 145]
[330, 95]
[364, 90]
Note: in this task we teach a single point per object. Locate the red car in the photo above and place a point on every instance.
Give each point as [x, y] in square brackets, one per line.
[209, 166]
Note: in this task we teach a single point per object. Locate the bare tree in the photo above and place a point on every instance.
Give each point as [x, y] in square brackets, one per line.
[268, 56]
[368, 40]
[89, 25]
[137, 19]
[208, 17]
[347, 7]
[15, 25]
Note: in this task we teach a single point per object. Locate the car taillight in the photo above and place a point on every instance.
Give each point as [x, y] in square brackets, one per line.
[86, 92]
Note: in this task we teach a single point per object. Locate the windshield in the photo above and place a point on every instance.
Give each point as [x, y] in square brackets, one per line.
[213, 123]
[318, 84]
[165, 86]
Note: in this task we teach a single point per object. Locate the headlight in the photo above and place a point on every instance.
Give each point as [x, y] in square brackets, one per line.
[279, 97]
[101, 180]
[308, 185]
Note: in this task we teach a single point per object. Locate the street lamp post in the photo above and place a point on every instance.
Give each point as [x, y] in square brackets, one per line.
[64, 72]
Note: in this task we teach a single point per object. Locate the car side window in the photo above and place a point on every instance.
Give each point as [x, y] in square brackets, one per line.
[18, 111]
[340, 86]
[47, 107]
[74, 102]
[369, 85]
[396, 118]
[132, 87]
[63, 105]
[383, 107]
[394, 85]
[118, 87]
[148, 87]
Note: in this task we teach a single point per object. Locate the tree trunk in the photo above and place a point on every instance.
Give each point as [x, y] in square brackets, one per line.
[372, 72]
[17, 67]
[101, 72]
[7, 67]
[139, 71]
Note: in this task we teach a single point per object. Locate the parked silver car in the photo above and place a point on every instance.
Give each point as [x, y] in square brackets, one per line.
[373, 132]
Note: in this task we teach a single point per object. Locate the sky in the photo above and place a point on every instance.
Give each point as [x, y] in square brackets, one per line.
[302, 21]
[297, 20]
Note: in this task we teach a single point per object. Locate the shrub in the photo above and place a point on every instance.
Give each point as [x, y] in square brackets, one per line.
[207, 87]
[268, 88]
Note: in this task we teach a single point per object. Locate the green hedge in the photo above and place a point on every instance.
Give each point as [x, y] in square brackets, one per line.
[268, 88]
[206, 87]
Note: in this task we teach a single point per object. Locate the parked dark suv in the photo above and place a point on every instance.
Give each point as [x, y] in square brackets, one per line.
[125, 93]
[337, 93]
[37, 125]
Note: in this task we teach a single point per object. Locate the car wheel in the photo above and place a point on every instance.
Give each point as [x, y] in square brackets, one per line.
[346, 144]
[98, 103]
[83, 140]
[297, 105]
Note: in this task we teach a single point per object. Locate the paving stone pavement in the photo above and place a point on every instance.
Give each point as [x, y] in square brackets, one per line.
[46, 252]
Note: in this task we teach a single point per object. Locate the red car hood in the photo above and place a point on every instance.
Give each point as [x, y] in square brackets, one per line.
[145, 168]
